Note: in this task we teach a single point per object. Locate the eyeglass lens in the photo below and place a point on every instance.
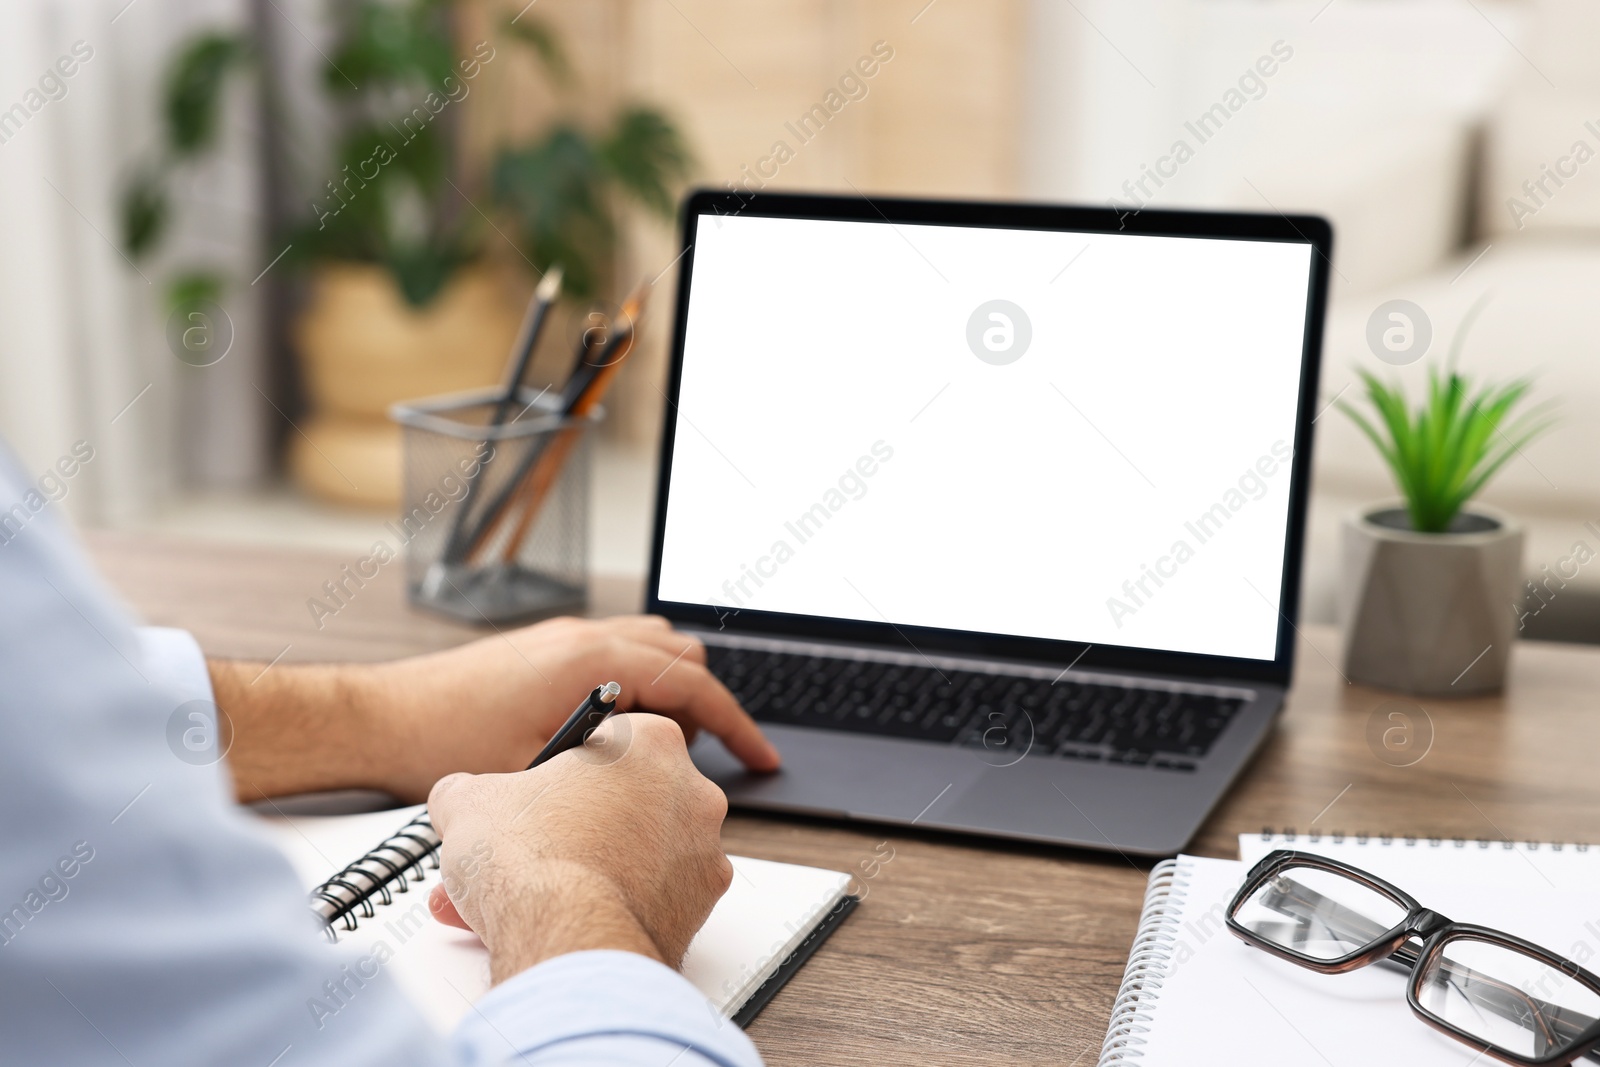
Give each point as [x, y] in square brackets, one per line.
[1503, 997]
[1318, 914]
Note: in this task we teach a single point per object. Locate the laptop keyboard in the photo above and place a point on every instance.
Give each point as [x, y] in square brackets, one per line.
[1007, 716]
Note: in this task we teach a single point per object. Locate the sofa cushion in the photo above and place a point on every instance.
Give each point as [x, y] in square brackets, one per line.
[1392, 185]
[1541, 163]
[1540, 319]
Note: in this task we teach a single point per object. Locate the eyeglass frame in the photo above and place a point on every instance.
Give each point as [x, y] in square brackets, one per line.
[1433, 929]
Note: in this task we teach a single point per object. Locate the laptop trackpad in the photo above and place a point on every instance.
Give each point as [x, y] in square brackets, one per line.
[825, 772]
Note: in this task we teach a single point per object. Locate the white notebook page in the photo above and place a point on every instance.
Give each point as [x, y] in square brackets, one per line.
[1514, 867]
[768, 910]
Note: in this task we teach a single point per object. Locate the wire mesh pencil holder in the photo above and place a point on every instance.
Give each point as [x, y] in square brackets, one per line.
[495, 519]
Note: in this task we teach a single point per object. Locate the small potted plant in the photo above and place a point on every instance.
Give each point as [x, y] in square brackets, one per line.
[1427, 580]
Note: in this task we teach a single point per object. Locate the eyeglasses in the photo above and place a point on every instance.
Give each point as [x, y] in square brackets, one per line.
[1500, 994]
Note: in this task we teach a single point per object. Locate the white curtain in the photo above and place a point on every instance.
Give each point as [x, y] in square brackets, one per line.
[83, 349]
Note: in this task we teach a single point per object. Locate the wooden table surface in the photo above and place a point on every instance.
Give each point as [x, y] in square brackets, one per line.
[966, 951]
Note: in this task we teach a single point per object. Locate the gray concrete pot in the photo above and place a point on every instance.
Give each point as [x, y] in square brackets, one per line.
[1429, 614]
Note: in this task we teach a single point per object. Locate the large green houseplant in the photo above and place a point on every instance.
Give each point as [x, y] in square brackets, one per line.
[395, 236]
[1428, 581]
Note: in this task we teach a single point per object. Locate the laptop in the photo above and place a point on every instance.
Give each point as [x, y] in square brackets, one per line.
[991, 514]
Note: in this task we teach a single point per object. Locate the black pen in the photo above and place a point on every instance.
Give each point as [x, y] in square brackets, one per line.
[339, 898]
[590, 714]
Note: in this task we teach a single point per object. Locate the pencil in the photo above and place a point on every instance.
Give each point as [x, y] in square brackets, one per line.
[544, 295]
[495, 510]
[541, 469]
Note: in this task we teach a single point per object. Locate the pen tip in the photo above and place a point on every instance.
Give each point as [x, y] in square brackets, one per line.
[609, 692]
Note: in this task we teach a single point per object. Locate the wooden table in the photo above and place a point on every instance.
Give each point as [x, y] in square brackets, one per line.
[966, 951]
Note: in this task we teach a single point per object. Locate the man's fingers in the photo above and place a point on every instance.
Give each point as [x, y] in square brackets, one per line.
[444, 909]
[440, 808]
[443, 798]
[684, 690]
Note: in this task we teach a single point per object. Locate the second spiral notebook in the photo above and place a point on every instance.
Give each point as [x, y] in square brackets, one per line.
[766, 925]
[1194, 995]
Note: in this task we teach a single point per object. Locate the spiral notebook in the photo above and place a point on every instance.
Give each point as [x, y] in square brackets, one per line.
[1193, 994]
[380, 867]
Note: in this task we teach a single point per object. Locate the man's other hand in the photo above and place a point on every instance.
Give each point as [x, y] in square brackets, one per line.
[491, 705]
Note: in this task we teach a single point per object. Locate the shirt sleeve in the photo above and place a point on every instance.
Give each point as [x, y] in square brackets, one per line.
[143, 919]
[601, 1007]
[173, 660]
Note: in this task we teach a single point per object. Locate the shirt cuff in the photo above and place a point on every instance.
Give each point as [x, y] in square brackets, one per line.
[601, 994]
[173, 661]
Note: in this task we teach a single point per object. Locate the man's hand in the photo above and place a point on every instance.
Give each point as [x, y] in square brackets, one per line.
[613, 845]
[488, 706]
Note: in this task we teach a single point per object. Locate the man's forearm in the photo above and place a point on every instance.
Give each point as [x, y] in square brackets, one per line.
[301, 728]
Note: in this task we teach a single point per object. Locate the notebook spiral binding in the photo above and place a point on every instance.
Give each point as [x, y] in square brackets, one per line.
[1148, 961]
[1288, 837]
[406, 851]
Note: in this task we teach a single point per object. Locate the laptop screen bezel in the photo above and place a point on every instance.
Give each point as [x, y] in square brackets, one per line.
[1299, 229]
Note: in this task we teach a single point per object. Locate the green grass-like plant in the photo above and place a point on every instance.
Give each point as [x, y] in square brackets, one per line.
[1446, 449]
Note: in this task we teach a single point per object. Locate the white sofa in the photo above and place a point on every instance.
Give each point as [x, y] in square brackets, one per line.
[1534, 258]
[1409, 124]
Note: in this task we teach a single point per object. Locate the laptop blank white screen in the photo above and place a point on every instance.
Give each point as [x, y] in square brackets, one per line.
[1080, 437]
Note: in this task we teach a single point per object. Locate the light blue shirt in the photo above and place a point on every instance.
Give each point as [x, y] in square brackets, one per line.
[143, 920]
